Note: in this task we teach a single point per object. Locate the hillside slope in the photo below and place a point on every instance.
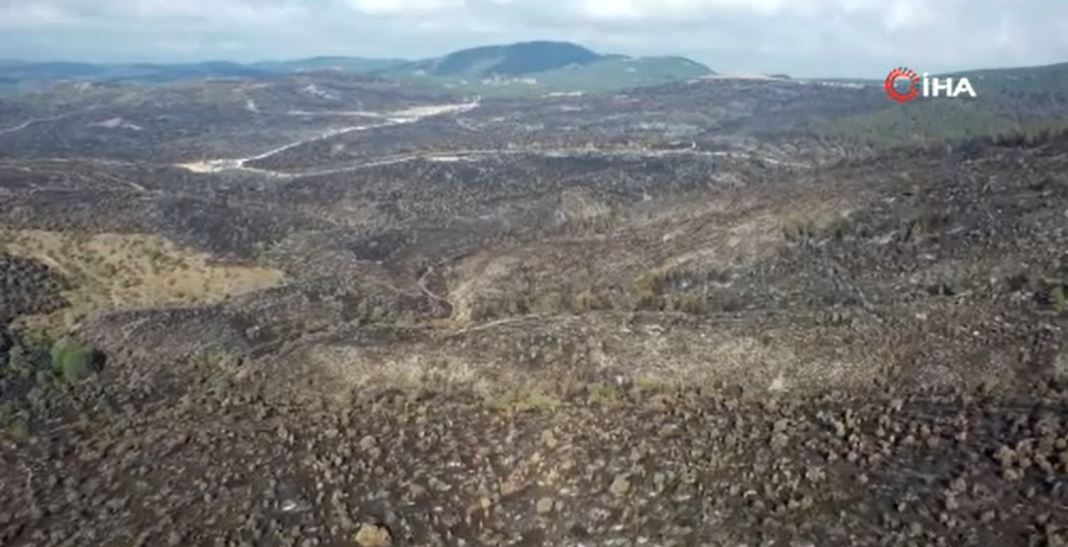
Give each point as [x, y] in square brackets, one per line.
[507, 60]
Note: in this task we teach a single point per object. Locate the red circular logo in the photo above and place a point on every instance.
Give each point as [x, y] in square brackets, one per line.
[891, 87]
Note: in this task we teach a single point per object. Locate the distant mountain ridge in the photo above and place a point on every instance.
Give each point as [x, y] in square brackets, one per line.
[508, 60]
[545, 65]
[357, 65]
[141, 72]
[539, 67]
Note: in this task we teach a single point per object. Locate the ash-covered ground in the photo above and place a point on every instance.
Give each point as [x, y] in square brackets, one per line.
[718, 312]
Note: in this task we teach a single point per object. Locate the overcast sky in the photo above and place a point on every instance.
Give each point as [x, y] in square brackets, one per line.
[863, 38]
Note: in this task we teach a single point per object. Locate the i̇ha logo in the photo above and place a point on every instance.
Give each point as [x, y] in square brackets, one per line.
[929, 87]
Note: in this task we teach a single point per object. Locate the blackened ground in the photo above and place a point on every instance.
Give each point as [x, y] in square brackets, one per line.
[208, 460]
[27, 287]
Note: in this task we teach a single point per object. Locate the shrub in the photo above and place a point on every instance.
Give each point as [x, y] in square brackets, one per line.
[220, 360]
[1059, 300]
[524, 399]
[588, 300]
[549, 303]
[606, 395]
[647, 287]
[16, 431]
[24, 361]
[72, 360]
[689, 303]
[12, 426]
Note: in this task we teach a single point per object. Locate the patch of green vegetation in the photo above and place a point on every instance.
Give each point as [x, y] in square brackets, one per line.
[73, 361]
[922, 121]
[815, 226]
[588, 300]
[693, 304]
[550, 303]
[34, 358]
[23, 361]
[12, 426]
[659, 290]
[218, 360]
[1059, 300]
[17, 431]
[606, 395]
[1014, 81]
[524, 399]
[646, 290]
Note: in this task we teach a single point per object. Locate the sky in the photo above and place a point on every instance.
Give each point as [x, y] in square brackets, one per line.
[825, 38]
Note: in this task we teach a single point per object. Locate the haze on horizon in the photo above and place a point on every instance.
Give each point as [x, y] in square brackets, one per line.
[847, 38]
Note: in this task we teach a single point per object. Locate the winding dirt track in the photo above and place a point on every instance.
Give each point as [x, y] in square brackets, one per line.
[401, 117]
[32, 121]
[417, 114]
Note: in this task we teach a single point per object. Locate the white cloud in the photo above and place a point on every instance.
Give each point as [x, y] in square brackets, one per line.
[34, 14]
[392, 7]
[827, 37]
[903, 14]
[222, 12]
[675, 9]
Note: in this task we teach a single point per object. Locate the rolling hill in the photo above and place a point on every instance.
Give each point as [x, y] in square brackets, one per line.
[1025, 100]
[358, 65]
[508, 60]
[542, 68]
[516, 69]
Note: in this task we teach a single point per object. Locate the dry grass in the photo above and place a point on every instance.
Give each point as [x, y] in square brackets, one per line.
[418, 368]
[410, 368]
[129, 271]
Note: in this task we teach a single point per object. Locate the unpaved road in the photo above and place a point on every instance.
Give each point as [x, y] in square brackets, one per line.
[400, 117]
[414, 115]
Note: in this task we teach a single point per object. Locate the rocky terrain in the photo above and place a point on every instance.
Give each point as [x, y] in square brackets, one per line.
[219, 463]
[318, 310]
